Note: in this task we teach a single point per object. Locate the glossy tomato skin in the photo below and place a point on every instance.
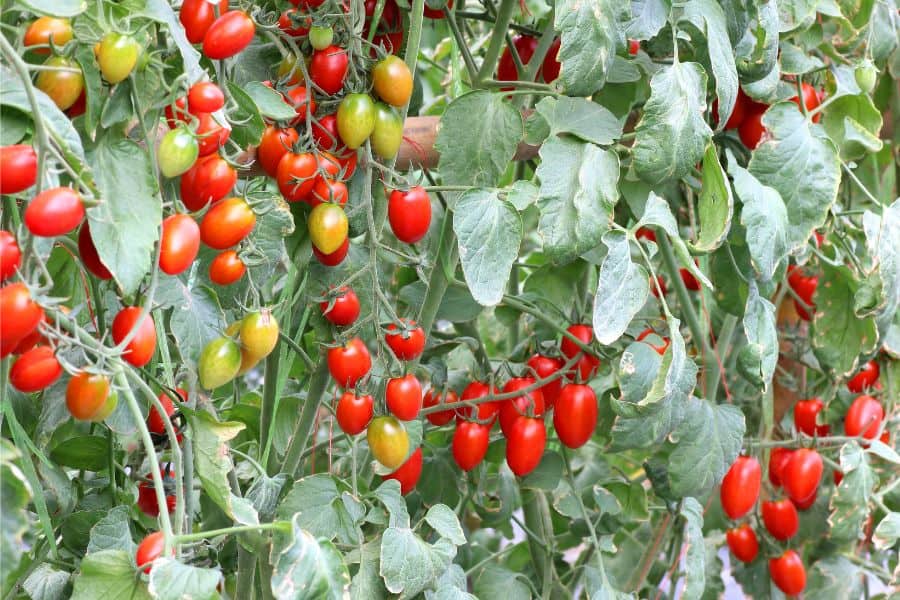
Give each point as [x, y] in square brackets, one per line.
[220, 362]
[325, 133]
[740, 487]
[43, 30]
[805, 287]
[89, 255]
[328, 227]
[349, 363]
[287, 20]
[210, 179]
[388, 441]
[409, 472]
[335, 258]
[406, 344]
[53, 212]
[205, 97]
[226, 268]
[437, 13]
[178, 151]
[545, 366]
[63, 87]
[302, 102]
[743, 543]
[587, 365]
[227, 223]
[506, 67]
[296, 175]
[146, 501]
[551, 65]
[777, 461]
[404, 397]
[18, 168]
[354, 412]
[751, 129]
[810, 100]
[409, 214]
[470, 444]
[198, 15]
[525, 445]
[529, 403]
[661, 348]
[802, 474]
[392, 81]
[343, 310]
[788, 572]
[328, 69]
[155, 423]
[180, 243]
[742, 105]
[806, 414]
[804, 504]
[328, 190]
[211, 135]
[117, 56]
[10, 254]
[864, 378]
[575, 415]
[690, 282]
[276, 142]
[35, 370]
[486, 412]
[88, 397]
[646, 233]
[387, 134]
[140, 349]
[150, 548]
[259, 333]
[435, 398]
[19, 314]
[356, 119]
[780, 518]
[228, 35]
[864, 417]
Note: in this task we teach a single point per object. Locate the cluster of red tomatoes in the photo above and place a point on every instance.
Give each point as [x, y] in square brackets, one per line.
[223, 33]
[799, 473]
[747, 114]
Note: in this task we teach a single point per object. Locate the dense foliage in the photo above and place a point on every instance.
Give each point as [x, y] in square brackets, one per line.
[345, 298]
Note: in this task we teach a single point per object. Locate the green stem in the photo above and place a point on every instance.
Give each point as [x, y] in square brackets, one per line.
[724, 341]
[304, 427]
[246, 571]
[270, 386]
[590, 524]
[498, 39]
[447, 259]
[206, 535]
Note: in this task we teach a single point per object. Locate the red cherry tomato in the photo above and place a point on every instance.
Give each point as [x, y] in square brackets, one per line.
[226, 268]
[575, 415]
[587, 364]
[328, 190]
[18, 168]
[296, 175]
[470, 444]
[690, 282]
[227, 223]
[19, 314]
[437, 13]
[275, 143]
[406, 344]
[198, 15]
[551, 66]
[88, 397]
[804, 504]
[140, 349]
[487, 411]
[434, 398]
[660, 349]
[354, 412]
[155, 423]
[209, 180]
[147, 494]
[788, 572]
[742, 105]
[179, 244]
[662, 286]
[205, 97]
[806, 413]
[35, 370]
[176, 114]
[529, 403]
[743, 543]
[543, 367]
[228, 35]
[805, 287]
[325, 133]
[777, 461]
[409, 472]
[751, 129]
[506, 67]
[349, 363]
[409, 214]
[645, 233]
[328, 69]
[10, 254]
[780, 518]
[287, 20]
[740, 487]
[150, 548]
[525, 445]
[864, 378]
[34, 338]
[343, 310]
[89, 255]
[810, 99]
[211, 135]
[633, 47]
[53, 212]
[403, 396]
[864, 418]
[802, 474]
[43, 30]
[335, 258]
[302, 102]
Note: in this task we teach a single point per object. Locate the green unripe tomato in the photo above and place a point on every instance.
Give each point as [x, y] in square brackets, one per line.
[117, 56]
[355, 119]
[320, 37]
[259, 334]
[388, 132]
[866, 74]
[178, 151]
[219, 362]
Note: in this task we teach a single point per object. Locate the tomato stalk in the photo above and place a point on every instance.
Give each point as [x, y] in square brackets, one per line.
[471, 68]
[302, 430]
[587, 518]
[498, 39]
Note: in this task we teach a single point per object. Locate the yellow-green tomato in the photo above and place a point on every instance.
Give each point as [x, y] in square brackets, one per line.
[327, 227]
[117, 56]
[219, 362]
[355, 119]
[259, 334]
[63, 85]
[388, 441]
[178, 151]
[392, 80]
[388, 132]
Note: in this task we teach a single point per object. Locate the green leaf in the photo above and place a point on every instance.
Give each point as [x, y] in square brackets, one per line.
[580, 117]
[409, 564]
[270, 103]
[578, 194]
[547, 474]
[796, 14]
[14, 124]
[853, 123]
[795, 61]
[764, 218]
[801, 164]
[161, 11]
[495, 581]
[636, 371]
[172, 580]
[196, 316]
[309, 569]
[887, 531]
[367, 583]
[452, 585]
[672, 133]
[93, 88]
[263, 493]
[716, 204]
[621, 292]
[247, 124]
[109, 574]
[474, 155]
[850, 501]
[762, 334]
[314, 503]
[15, 496]
[838, 336]
[522, 194]
[834, 577]
[389, 495]
[76, 528]
[86, 452]
[489, 232]
[756, 55]
[708, 439]
[457, 304]
[708, 17]
[590, 38]
[647, 18]
[46, 583]
[883, 26]
[57, 8]
[112, 532]
[445, 522]
[125, 225]
[695, 559]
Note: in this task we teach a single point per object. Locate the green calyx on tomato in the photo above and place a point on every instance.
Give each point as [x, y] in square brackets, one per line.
[356, 119]
[219, 362]
[117, 56]
[178, 151]
[328, 227]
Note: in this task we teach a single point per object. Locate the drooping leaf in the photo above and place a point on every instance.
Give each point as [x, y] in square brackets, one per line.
[309, 569]
[389, 495]
[887, 531]
[695, 559]
[452, 585]
[314, 503]
[762, 334]
[109, 574]
[756, 55]
[621, 292]
[367, 583]
[445, 522]
[495, 581]
[246, 122]
[46, 583]
[796, 14]
[716, 205]
[160, 10]
[708, 17]
[590, 34]
[271, 104]
[850, 502]
[172, 580]
[57, 8]
[112, 532]
[853, 123]
[409, 564]
[15, 495]
[580, 117]
[82, 452]
[834, 577]
[636, 371]
[647, 18]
